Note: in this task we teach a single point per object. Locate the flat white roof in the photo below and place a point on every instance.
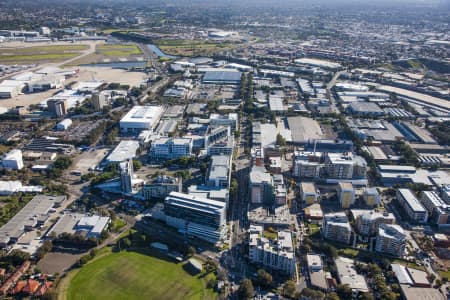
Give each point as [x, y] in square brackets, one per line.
[318, 63]
[348, 275]
[142, 116]
[14, 154]
[125, 150]
[314, 260]
[412, 201]
[416, 96]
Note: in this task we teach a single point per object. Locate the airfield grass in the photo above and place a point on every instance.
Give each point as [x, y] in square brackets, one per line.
[118, 50]
[111, 52]
[37, 54]
[133, 275]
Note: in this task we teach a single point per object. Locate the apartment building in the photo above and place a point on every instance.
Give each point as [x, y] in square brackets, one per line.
[261, 186]
[308, 193]
[219, 171]
[276, 254]
[196, 216]
[171, 148]
[412, 206]
[126, 176]
[161, 187]
[368, 221]
[335, 226]
[346, 194]
[391, 239]
[371, 197]
[438, 209]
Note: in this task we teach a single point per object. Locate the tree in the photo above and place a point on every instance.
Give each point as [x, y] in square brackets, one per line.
[366, 296]
[385, 264]
[264, 278]
[137, 164]
[432, 277]
[44, 249]
[438, 283]
[344, 291]
[17, 257]
[289, 289]
[395, 288]
[191, 251]
[281, 141]
[126, 242]
[210, 283]
[246, 290]
[62, 162]
[332, 296]
[234, 186]
[312, 294]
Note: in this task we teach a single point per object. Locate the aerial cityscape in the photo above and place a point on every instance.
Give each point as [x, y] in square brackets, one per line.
[190, 149]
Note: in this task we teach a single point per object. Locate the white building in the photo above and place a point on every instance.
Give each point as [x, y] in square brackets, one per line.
[438, 209]
[126, 176]
[368, 221]
[261, 186]
[141, 118]
[314, 262]
[336, 227]
[371, 197]
[196, 216]
[345, 166]
[278, 255]
[347, 275]
[11, 187]
[225, 120]
[11, 88]
[346, 194]
[308, 193]
[124, 151]
[391, 239]
[412, 206]
[13, 160]
[219, 171]
[171, 148]
[64, 124]
[93, 225]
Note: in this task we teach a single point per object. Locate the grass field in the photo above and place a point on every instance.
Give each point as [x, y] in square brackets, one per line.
[408, 264]
[119, 50]
[39, 54]
[270, 235]
[445, 274]
[191, 47]
[132, 275]
[117, 224]
[313, 229]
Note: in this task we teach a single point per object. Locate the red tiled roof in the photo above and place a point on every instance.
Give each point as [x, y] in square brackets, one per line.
[19, 287]
[43, 288]
[31, 287]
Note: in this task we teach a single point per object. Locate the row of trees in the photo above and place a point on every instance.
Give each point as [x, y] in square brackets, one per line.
[408, 154]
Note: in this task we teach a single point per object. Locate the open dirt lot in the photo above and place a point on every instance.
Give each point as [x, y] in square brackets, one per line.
[89, 159]
[57, 262]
